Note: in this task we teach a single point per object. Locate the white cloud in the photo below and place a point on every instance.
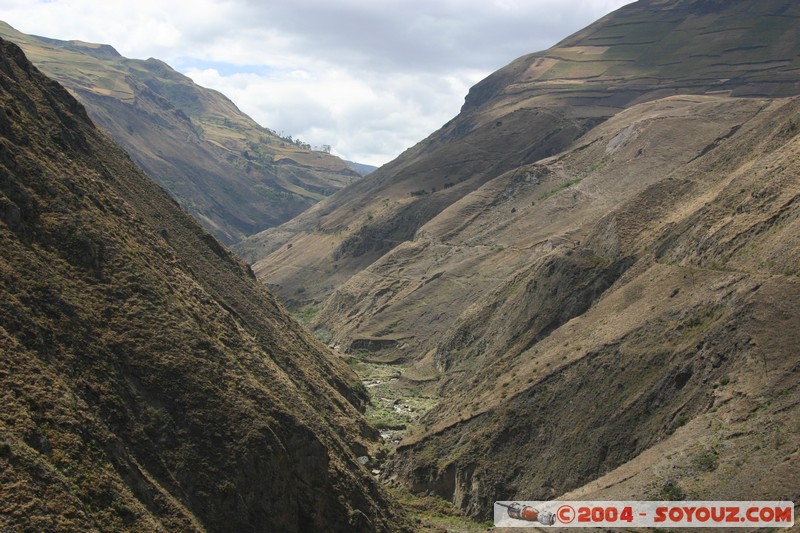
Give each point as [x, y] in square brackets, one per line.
[368, 78]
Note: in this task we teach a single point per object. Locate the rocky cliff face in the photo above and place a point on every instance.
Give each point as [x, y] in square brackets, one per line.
[148, 382]
[234, 176]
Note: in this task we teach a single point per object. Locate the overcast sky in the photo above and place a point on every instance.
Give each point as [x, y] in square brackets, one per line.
[369, 78]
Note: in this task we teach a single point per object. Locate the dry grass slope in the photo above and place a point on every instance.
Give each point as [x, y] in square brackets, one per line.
[533, 108]
[593, 268]
[596, 381]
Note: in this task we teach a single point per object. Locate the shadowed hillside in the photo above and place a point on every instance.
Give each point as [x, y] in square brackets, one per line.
[148, 382]
[234, 176]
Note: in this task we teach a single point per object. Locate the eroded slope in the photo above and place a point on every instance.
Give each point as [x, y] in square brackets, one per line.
[651, 356]
[483, 246]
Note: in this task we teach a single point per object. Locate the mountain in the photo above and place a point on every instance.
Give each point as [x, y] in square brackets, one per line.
[592, 269]
[148, 382]
[234, 176]
[361, 168]
[533, 108]
[609, 323]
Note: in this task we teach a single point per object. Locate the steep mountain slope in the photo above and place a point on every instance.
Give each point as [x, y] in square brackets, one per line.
[480, 246]
[638, 313]
[148, 382]
[234, 176]
[535, 107]
[593, 269]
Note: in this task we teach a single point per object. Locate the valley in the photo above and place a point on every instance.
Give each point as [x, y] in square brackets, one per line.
[642, 323]
[582, 259]
[584, 286]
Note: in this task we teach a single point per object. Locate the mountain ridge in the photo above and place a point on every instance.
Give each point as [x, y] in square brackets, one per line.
[148, 381]
[532, 108]
[600, 58]
[230, 173]
[582, 267]
[682, 337]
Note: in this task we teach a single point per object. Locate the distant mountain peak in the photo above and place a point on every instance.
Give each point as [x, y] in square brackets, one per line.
[361, 168]
[655, 48]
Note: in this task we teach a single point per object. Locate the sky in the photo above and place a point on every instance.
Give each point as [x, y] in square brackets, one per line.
[368, 78]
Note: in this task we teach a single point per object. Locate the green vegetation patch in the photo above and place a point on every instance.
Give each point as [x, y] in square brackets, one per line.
[672, 491]
[706, 461]
[306, 314]
[432, 513]
[395, 403]
[560, 188]
[569, 183]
